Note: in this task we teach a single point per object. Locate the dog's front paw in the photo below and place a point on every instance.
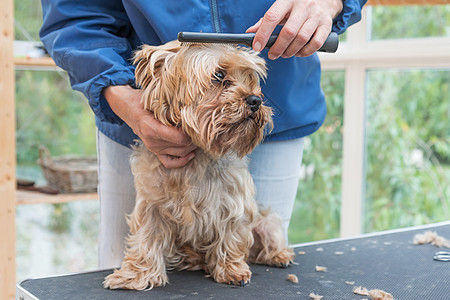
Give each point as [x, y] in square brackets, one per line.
[128, 280]
[233, 273]
[282, 258]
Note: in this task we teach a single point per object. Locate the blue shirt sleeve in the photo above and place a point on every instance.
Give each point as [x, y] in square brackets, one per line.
[90, 40]
[351, 13]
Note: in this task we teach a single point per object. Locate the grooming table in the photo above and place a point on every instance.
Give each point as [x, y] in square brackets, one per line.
[386, 260]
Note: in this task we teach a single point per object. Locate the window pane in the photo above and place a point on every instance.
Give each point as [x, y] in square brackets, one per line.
[49, 113]
[394, 22]
[56, 238]
[408, 148]
[317, 207]
[27, 20]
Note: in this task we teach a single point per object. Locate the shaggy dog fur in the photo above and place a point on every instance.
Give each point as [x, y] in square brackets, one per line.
[202, 216]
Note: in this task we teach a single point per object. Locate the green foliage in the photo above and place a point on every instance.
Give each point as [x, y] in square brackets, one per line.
[27, 20]
[408, 142]
[49, 113]
[61, 218]
[317, 209]
[410, 21]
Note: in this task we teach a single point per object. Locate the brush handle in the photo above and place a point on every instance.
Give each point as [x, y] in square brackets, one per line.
[330, 45]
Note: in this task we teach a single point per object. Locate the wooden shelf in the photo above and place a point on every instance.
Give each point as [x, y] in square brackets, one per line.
[27, 197]
[34, 62]
[29, 54]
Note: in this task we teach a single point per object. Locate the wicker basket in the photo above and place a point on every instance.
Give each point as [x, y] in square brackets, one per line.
[69, 174]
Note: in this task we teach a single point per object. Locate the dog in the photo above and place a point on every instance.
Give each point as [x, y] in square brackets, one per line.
[202, 216]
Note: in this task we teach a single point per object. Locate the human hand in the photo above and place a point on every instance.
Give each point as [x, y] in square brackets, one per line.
[172, 146]
[306, 26]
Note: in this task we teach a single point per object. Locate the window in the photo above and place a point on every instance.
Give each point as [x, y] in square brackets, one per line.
[396, 134]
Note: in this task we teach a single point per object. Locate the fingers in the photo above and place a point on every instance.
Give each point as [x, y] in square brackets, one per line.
[274, 16]
[149, 129]
[173, 148]
[316, 41]
[170, 155]
[172, 135]
[174, 161]
[174, 151]
[307, 24]
[170, 144]
[255, 27]
[293, 36]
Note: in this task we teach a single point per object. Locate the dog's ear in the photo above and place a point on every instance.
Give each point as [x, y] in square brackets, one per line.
[154, 74]
[149, 61]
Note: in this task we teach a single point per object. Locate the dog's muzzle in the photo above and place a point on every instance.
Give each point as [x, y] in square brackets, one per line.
[254, 102]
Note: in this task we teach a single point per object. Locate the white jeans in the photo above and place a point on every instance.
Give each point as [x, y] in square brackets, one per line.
[275, 168]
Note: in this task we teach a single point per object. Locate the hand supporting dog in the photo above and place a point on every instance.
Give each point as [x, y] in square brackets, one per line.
[172, 146]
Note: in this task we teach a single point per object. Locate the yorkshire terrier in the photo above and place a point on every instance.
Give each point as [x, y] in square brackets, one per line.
[202, 216]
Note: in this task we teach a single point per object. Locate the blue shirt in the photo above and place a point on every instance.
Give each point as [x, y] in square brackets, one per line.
[93, 41]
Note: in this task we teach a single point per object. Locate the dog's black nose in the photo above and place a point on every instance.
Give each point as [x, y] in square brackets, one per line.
[254, 102]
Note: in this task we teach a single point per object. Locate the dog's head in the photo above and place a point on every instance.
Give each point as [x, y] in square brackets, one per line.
[211, 91]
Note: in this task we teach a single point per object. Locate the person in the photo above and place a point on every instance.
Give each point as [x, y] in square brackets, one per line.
[94, 40]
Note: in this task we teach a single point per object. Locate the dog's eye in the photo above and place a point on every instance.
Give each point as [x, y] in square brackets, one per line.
[226, 83]
[218, 77]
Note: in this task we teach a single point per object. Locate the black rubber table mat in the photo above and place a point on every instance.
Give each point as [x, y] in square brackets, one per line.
[388, 261]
